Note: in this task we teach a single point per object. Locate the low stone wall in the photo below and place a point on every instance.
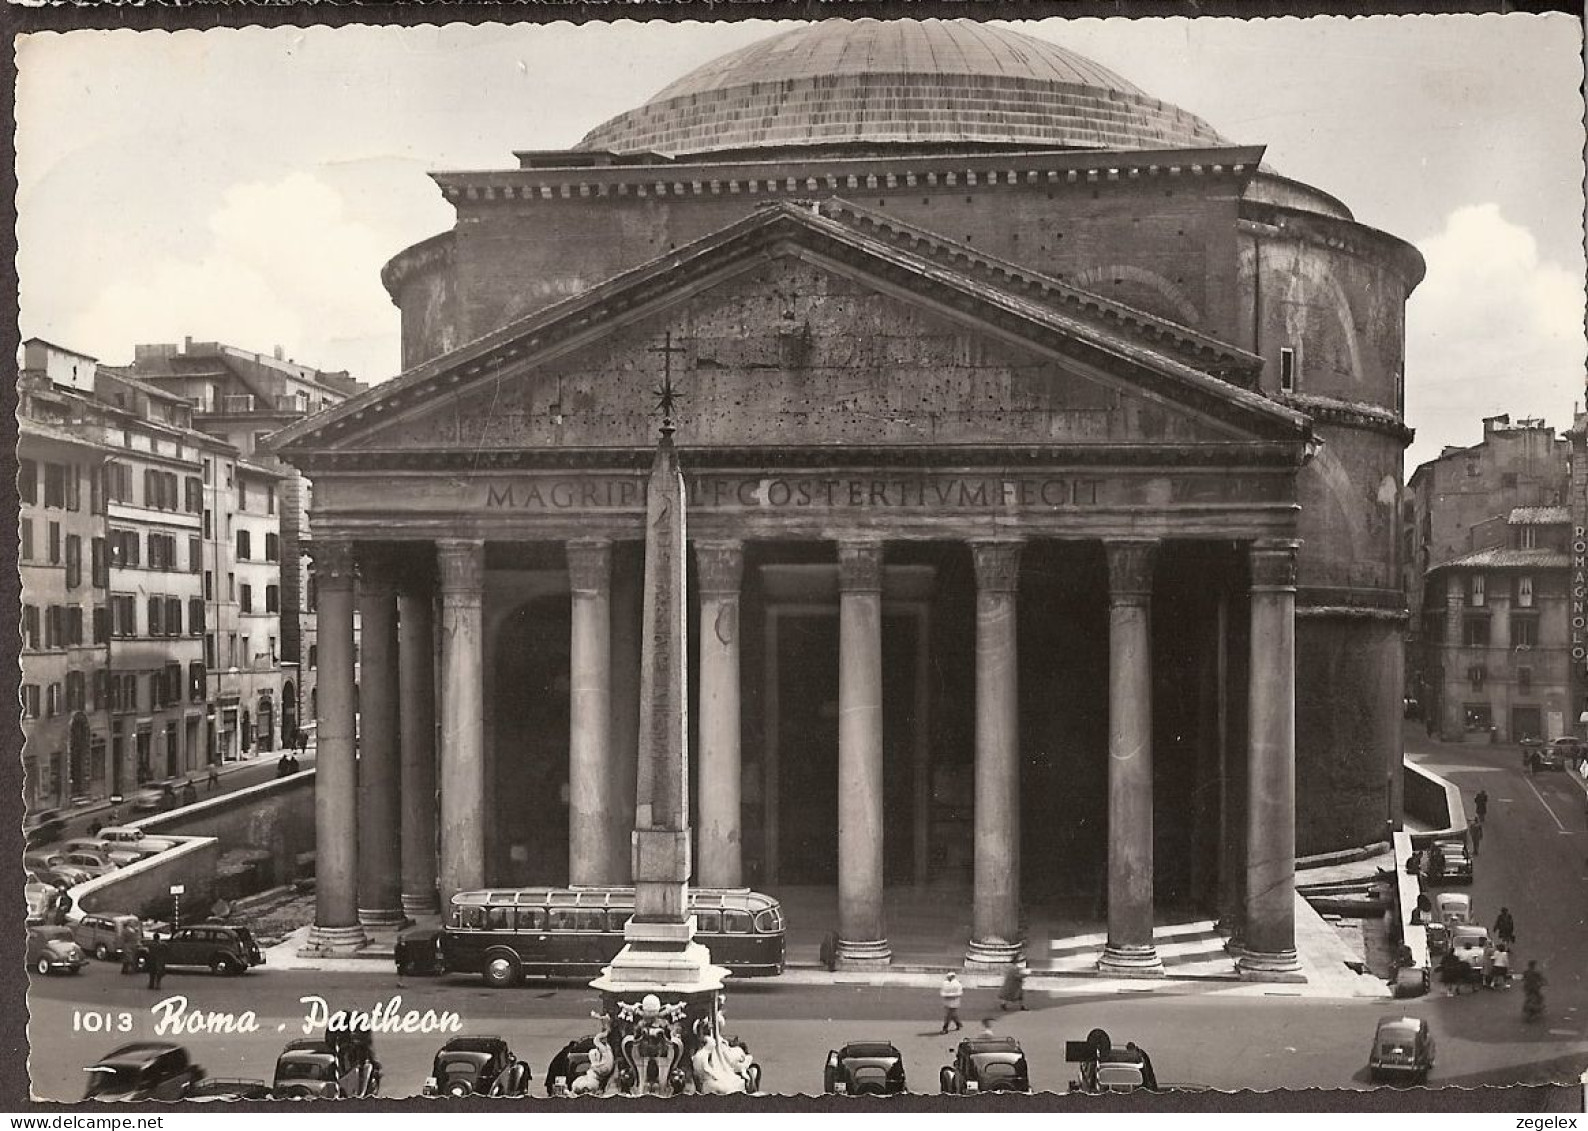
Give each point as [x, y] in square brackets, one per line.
[1433, 802]
[144, 888]
[269, 826]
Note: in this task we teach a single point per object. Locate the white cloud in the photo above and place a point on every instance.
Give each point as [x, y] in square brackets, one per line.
[1494, 328]
[283, 264]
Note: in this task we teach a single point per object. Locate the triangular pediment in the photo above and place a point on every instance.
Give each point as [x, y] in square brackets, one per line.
[792, 329]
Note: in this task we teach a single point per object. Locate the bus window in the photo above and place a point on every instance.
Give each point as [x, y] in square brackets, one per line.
[708, 922]
[471, 918]
[736, 922]
[498, 919]
[532, 918]
[768, 922]
[562, 919]
[589, 919]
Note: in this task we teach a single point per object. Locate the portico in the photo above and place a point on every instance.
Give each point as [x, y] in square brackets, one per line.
[934, 652]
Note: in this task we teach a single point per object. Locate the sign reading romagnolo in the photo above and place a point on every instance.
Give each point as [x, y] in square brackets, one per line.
[1579, 596]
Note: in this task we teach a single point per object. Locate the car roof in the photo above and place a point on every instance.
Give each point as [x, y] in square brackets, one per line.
[307, 1044]
[474, 1044]
[868, 1048]
[1391, 1023]
[139, 1052]
[991, 1044]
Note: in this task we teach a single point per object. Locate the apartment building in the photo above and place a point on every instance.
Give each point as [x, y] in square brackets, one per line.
[240, 396]
[62, 563]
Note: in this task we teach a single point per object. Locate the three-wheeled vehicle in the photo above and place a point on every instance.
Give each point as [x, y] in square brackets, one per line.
[986, 1064]
[570, 1063]
[1403, 1048]
[1105, 1067]
[467, 1066]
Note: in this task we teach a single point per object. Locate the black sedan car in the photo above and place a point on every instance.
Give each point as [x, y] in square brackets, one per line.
[570, 1063]
[467, 1066]
[986, 1064]
[310, 1068]
[144, 1070]
[864, 1068]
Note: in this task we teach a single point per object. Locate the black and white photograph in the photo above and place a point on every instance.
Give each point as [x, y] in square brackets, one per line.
[849, 556]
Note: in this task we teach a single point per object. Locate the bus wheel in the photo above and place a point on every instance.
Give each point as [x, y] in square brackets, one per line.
[501, 970]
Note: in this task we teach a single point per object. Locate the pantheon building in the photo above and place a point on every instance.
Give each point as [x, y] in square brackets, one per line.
[1042, 449]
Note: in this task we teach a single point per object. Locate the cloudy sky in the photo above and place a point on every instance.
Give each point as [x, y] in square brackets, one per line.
[247, 185]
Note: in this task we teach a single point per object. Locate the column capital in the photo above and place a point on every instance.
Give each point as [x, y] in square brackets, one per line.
[589, 565]
[1130, 571]
[860, 566]
[378, 567]
[461, 563]
[1274, 563]
[721, 566]
[334, 564]
[997, 566]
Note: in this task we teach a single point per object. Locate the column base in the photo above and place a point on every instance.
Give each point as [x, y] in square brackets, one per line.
[333, 940]
[1130, 962]
[874, 954]
[425, 903]
[382, 917]
[1259, 966]
[995, 952]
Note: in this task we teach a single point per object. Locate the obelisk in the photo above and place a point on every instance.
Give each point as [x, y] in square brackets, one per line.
[660, 955]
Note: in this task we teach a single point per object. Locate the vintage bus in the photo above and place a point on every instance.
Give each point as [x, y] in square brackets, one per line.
[503, 934]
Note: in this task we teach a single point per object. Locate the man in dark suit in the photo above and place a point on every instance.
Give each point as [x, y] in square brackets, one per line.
[157, 955]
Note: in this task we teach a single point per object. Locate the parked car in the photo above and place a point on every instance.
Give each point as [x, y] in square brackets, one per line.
[108, 937]
[227, 1089]
[145, 1070]
[1556, 756]
[120, 857]
[42, 827]
[568, 1065]
[52, 866]
[53, 950]
[419, 952]
[1469, 942]
[986, 1064]
[1403, 1048]
[38, 892]
[1106, 1067]
[311, 1068]
[91, 864]
[129, 838]
[874, 1068]
[1455, 865]
[467, 1066]
[224, 949]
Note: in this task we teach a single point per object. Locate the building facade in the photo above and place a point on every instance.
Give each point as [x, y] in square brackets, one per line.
[1043, 475]
[61, 559]
[240, 396]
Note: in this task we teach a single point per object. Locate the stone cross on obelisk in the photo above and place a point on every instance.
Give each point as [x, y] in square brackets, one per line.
[660, 955]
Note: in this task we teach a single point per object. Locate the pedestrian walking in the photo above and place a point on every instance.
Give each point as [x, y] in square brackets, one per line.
[829, 952]
[303, 741]
[1500, 968]
[283, 765]
[1481, 803]
[1505, 927]
[951, 992]
[156, 960]
[189, 792]
[1436, 862]
[1012, 994]
[1474, 838]
[214, 780]
[61, 903]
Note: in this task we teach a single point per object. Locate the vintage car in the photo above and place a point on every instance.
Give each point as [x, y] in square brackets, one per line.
[1403, 1048]
[1105, 1067]
[1469, 942]
[78, 862]
[419, 952]
[93, 846]
[108, 937]
[127, 838]
[467, 1066]
[226, 1089]
[986, 1064]
[53, 950]
[223, 948]
[149, 799]
[568, 1065]
[42, 827]
[1454, 864]
[146, 1070]
[38, 891]
[314, 1068]
[1556, 756]
[864, 1068]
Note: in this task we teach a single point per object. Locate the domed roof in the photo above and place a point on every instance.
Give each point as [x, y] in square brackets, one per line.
[862, 83]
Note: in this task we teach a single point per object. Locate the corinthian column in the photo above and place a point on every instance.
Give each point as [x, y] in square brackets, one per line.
[995, 923]
[336, 925]
[862, 932]
[590, 764]
[416, 668]
[1130, 949]
[1269, 953]
[379, 767]
[462, 568]
[721, 570]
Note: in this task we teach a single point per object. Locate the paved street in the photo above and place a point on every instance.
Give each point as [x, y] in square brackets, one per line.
[1221, 1037]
